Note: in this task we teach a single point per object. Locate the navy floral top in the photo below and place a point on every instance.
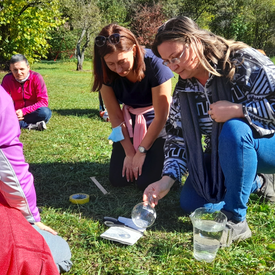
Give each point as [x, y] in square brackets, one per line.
[253, 85]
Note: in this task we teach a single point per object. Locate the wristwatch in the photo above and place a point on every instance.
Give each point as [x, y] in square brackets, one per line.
[142, 149]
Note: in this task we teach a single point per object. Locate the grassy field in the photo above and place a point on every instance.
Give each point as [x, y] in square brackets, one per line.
[73, 149]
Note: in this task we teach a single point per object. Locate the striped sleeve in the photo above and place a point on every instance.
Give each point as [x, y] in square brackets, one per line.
[254, 86]
[174, 149]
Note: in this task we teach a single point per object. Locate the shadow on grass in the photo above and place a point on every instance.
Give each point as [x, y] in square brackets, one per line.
[37, 68]
[55, 182]
[77, 112]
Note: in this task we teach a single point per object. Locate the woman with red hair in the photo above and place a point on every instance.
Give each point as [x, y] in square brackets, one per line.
[126, 73]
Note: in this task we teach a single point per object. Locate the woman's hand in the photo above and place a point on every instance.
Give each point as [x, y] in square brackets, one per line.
[138, 161]
[19, 114]
[127, 169]
[157, 190]
[42, 226]
[222, 111]
[132, 166]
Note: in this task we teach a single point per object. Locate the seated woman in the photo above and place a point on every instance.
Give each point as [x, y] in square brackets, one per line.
[20, 254]
[17, 184]
[226, 92]
[126, 73]
[29, 94]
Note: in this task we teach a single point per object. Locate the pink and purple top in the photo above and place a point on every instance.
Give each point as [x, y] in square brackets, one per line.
[16, 182]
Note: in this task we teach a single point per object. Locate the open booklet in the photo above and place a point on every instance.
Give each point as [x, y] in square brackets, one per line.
[128, 234]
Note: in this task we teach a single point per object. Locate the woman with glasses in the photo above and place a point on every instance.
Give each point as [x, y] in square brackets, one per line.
[225, 93]
[126, 73]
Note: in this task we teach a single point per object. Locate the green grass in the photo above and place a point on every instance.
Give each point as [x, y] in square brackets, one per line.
[73, 149]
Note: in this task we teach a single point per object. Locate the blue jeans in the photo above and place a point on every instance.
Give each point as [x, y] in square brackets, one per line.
[42, 113]
[242, 155]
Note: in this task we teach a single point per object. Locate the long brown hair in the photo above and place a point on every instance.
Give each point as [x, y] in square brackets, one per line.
[102, 74]
[215, 49]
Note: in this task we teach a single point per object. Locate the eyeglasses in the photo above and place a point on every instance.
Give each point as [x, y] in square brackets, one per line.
[113, 39]
[175, 60]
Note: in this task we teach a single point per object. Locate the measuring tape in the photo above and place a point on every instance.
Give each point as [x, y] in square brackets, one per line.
[79, 198]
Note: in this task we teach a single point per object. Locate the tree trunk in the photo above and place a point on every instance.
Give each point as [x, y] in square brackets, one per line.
[79, 67]
[80, 60]
[79, 54]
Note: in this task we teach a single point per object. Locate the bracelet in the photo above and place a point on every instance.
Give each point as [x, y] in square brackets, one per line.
[245, 113]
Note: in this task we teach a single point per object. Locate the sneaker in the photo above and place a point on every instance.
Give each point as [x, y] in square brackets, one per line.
[104, 115]
[40, 126]
[235, 232]
[266, 192]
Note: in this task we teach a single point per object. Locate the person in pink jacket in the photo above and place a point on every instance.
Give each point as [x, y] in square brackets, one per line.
[17, 183]
[29, 94]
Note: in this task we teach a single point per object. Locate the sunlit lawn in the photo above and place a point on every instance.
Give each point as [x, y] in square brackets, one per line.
[73, 149]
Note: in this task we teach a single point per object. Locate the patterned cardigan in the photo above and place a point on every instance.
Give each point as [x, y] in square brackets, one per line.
[253, 85]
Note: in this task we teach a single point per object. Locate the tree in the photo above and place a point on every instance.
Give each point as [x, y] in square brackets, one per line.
[84, 16]
[250, 21]
[193, 9]
[146, 22]
[25, 26]
[262, 23]
[113, 11]
[231, 19]
[63, 43]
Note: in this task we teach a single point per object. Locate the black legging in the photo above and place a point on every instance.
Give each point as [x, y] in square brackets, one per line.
[151, 169]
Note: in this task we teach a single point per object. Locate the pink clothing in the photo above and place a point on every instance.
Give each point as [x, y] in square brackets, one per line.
[28, 96]
[140, 129]
[16, 182]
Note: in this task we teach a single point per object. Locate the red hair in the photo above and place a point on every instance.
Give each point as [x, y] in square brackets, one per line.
[102, 74]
